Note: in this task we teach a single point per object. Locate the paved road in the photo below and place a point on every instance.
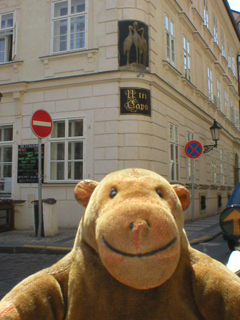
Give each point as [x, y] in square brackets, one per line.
[16, 267]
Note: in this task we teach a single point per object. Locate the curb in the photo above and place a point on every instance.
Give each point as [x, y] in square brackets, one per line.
[204, 239]
[35, 250]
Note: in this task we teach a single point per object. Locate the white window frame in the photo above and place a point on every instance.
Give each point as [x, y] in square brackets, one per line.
[174, 152]
[222, 174]
[215, 30]
[68, 17]
[186, 58]
[5, 181]
[236, 117]
[8, 35]
[229, 56]
[214, 167]
[223, 44]
[66, 140]
[233, 65]
[170, 40]
[205, 13]
[229, 169]
[210, 83]
[219, 95]
[226, 103]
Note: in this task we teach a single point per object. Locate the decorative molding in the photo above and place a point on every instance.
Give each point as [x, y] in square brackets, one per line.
[169, 67]
[182, 15]
[197, 15]
[200, 39]
[219, 67]
[210, 54]
[89, 54]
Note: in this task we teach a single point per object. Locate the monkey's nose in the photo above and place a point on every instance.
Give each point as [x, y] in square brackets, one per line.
[139, 224]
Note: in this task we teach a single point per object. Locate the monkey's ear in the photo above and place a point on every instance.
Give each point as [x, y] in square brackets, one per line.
[183, 195]
[84, 190]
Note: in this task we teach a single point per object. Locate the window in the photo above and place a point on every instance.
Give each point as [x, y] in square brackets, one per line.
[219, 96]
[210, 84]
[222, 177]
[67, 150]
[229, 170]
[214, 166]
[233, 66]
[170, 41]
[223, 44]
[205, 13]
[215, 30]
[69, 25]
[6, 144]
[174, 154]
[186, 58]
[190, 137]
[232, 111]
[236, 117]
[229, 56]
[7, 37]
[226, 103]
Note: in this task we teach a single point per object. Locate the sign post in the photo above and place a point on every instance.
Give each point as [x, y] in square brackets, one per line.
[193, 150]
[41, 124]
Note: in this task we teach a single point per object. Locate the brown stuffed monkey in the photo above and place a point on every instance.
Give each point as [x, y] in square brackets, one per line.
[131, 260]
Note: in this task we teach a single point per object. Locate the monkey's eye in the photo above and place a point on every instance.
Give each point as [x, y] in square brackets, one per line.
[113, 193]
[159, 193]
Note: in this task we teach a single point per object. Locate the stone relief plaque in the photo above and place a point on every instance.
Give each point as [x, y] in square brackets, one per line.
[133, 45]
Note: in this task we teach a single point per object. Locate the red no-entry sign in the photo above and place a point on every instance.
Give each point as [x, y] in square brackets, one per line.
[41, 124]
[193, 149]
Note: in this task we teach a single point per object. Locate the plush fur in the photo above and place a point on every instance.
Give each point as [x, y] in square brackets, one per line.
[131, 260]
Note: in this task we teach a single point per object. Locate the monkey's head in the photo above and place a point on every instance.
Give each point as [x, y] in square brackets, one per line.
[134, 221]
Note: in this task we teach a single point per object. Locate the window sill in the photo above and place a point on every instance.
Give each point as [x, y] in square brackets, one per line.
[69, 63]
[169, 67]
[11, 63]
[68, 54]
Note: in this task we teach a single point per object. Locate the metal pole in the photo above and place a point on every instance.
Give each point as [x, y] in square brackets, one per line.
[192, 178]
[39, 189]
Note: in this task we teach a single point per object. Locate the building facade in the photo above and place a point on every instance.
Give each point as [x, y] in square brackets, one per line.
[127, 83]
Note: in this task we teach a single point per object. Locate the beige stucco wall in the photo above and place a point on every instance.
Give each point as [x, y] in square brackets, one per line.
[87, 84]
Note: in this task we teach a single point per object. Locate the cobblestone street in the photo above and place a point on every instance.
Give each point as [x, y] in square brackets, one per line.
[16, 267]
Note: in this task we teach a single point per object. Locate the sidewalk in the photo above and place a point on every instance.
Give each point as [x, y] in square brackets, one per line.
[24, 241]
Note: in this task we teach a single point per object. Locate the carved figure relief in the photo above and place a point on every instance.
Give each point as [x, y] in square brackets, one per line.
[133, 45]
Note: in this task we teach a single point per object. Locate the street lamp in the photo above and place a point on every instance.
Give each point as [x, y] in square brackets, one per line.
[215, 132]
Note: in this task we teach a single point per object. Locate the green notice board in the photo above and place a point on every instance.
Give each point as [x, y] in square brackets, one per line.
[28, 163]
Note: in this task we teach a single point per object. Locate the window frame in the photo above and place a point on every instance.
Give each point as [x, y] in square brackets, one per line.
[219, 95]
[9, 36]
[223, 45]
[186, 58]
[210, 83]
[68, 17]
[6, 193]
[215, 30]
[213, 167]
[222, 173]
[174, 170]
[226, 103]
[190, 162]
[205, 14]
[66, 140]
[169, 32]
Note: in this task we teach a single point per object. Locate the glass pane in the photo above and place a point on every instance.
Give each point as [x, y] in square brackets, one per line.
[2, 50]
[7, 154]
[172, 29]
[75, 128]
[58, 129]
[77, 39]
[57, 151]
[8, 134]
[60, 9]
[166, 22]
[75, 150]
[7, 21]
[75, 170]
[57, 171]
[77, 6]
[60, 36]
[7, 171]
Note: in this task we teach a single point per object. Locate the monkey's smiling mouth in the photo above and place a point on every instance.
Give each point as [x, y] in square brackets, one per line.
[139, 255]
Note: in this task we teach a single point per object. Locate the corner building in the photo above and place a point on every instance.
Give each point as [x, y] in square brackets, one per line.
[127, 83]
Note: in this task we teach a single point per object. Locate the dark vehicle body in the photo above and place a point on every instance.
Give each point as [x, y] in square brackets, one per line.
[234, 201]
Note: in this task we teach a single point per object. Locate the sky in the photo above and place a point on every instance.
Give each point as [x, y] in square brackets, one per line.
[234, 5]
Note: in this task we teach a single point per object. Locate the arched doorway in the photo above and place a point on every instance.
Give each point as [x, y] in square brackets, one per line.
[236, 170]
